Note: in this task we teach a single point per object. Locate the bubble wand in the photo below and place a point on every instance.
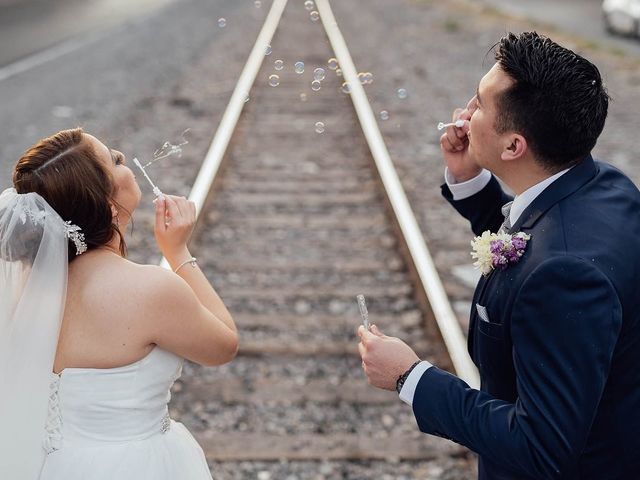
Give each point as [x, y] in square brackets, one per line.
[363, 311]
[156, 190]
[167, 150]
[459, 124]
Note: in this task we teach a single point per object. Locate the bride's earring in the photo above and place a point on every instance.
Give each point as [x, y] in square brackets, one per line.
[114, 215]
[116, 220]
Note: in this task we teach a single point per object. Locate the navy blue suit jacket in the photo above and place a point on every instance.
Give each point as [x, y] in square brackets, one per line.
[559, 358]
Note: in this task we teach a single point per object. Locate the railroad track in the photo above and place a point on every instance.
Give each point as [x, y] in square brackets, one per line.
[289, 236]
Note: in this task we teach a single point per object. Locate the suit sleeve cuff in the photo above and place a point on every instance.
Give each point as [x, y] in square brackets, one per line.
[410, 384]
[463, 190]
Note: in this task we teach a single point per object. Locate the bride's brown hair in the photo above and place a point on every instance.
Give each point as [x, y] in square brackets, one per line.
[65, 170]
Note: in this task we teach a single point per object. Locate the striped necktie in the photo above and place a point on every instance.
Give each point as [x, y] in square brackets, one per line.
[506, 225]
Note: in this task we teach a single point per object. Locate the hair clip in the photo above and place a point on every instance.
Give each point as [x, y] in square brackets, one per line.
[74, 233]
[71, 231]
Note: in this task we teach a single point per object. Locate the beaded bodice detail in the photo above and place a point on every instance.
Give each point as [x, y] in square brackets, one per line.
[53, 427]
[90, 406]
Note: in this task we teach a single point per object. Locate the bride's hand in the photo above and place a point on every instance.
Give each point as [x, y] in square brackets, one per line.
[175, 220]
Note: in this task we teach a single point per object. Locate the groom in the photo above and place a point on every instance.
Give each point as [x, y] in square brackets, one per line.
[555, 320]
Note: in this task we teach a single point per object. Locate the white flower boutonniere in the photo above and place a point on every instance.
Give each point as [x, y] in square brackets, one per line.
[498, 250]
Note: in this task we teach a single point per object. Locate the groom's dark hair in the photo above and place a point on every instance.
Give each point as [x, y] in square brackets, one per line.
[557, 101]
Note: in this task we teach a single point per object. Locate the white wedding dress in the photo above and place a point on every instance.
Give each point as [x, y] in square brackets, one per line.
[113, 424]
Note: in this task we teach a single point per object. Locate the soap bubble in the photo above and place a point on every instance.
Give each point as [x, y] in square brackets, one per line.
[309, 5]
[315, 85]
[319, 74]
[299, 67]
[274, 80]
[303, 97]
[222, 22]
[384, 115]
[167, 150]
[278, 64]
[368, 78]
[402, 93]
[361, 78]
[257, 3]
[333, 63]
[346, 88]
[339, 72]
[268, 50]
[319, 127]
[314, 16]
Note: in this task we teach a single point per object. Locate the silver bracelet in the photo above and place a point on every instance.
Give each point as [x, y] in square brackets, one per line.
[192, 261]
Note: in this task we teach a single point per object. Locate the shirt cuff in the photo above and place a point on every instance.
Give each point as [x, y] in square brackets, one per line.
[463, 190]
[411, 383]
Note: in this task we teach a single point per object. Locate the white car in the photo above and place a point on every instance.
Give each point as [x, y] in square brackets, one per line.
[622, 16]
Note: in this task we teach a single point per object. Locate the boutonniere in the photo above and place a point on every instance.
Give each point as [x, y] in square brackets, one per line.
[498, 250]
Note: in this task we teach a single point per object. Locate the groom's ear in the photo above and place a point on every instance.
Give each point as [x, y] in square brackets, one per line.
[514, 147]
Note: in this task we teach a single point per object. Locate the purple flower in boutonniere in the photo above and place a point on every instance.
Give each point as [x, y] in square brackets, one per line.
[498, 250]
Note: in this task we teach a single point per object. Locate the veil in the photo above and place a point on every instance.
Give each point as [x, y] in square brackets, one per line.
[33, 283]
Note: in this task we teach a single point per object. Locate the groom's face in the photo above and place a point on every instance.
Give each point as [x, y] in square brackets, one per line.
[485, 143]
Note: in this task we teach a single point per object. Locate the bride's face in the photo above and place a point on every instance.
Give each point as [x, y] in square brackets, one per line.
[127, 193]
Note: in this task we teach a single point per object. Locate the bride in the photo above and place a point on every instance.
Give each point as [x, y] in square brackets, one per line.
[90, 343]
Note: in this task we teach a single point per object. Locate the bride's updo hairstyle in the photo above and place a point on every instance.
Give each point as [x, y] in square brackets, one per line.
[65, 170]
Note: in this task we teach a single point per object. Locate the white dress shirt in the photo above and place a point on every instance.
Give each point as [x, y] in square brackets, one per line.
[461, 191]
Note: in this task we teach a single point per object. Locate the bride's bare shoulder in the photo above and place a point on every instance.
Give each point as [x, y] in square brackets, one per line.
[120, 277]
[159, 284]
[148, 276]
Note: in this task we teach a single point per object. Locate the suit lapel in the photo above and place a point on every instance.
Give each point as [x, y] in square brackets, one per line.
[561, 188]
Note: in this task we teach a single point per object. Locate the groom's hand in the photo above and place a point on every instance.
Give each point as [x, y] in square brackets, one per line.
[384, 358]
[454, 144]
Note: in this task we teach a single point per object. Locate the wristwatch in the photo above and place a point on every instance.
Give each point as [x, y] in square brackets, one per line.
[403, 378]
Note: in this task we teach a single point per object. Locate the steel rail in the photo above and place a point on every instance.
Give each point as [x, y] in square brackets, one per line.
[420, 257]
[213, 159]
[429, 280]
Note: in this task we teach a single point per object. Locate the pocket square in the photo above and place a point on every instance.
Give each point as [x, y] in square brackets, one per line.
[482, 312]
